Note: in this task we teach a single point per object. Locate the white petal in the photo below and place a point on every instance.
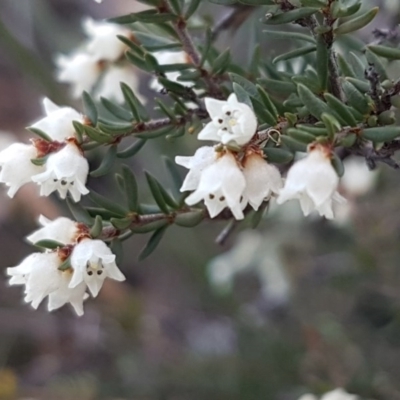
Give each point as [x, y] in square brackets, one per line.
[209, 132]
[16, 166]
[49, 106]
[62, 230]
[214, 106]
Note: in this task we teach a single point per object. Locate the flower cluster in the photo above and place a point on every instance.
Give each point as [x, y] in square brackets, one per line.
[235, 174]
[99, 64]
[55, 165]
[65, 274]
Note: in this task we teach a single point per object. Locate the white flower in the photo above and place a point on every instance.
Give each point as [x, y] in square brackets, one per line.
[103, 43]
[337, 394]
[109, 86]
[16, 166]
[65, 170]
[40, 274]
[170, 57]
[203, 158]
[58, 121]
[221, 185]
[62, 230]
[314, 182]
[262, 179]
[357, 179]
[93, 262]
[231, 121]
[80, 70]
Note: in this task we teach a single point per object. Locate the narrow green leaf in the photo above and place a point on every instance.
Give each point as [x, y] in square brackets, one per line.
[121, 223]
[79, 213]
[300, 136]
[322, 63]
[221, 63]
[107, 204]
[262, 113]
[150, 227]
[281, 88]
[357, 23]
[117, 249]
[332, 124]
[270, 106]
[130, 188]
[361, 86]
[277, 155]
[152, 243]
[390, 53]
[314, 104]
[138, 111]
[97, 227]
[337, 164]
[89, 108]
[107, 163]
[381, 133]
[49, 244]
[155, 189]
[116, 110]
[314, 130]
[293, 144]
[175, 175]
[345, 66]
[242, 95]
[133, 149]
[40, 133]
[248, 86]
[289, 16]
[295, 53]
[289, 35]
[343, 110]
[192, 8]
[189, 219]
[355, 98]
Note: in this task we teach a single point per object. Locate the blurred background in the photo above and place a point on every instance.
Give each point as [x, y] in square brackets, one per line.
[299, 305]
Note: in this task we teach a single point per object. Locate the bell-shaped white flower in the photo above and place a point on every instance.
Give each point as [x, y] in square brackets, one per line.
[109, 86]
[58, 121]
[196, 164]
[80, 70]
[17, 168]
[40, 274]
[262, 180]
[337, 394]
[103, 43]
[92, 262]
[357, 179]
[66, 171]
[313, 181]
[170, 57]
[221, 185]
[231, 121]
[62, 230]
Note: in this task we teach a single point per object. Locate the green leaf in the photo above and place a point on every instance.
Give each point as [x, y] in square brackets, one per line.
[133, 149]
[192, 8]
[40, 133]
[95, 134]
[337, 164]
[262, 113]
[314, 104]
[156, 133]
[258, 215]
[381, 133]
[269, 105]
[152, 243]
[374, 60]
[293, 144]
[65, 265]
[221, 63]
[121, 223]
[150, 227]
[97, 227]
[290, 35]
[332, 124]
[289, 16]
[341, 109]
[300, 136]
[242, 95]
[189, 219]
[355, 98]
[174, 173]
[116, 110]
[390, 53]
[322, 63]
[107, 163]
[344, 66]
[79, 213]
[248, 86]
[281, 88]
[357, 23]
[89, 108]
[117, 249]
[314, 130]
[295, 53]
[155, 189]
[49, 244]
[39, 161]
[361, 86]
[138, 111]
[277, 155]
[131, 188]
[107, 204]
